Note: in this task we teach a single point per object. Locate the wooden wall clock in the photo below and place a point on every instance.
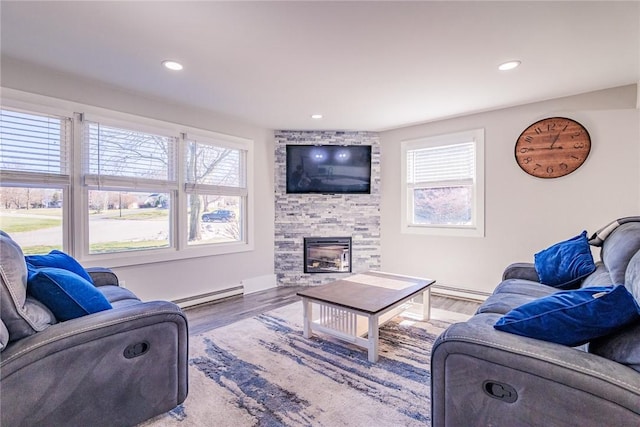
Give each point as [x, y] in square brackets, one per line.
[552, 147]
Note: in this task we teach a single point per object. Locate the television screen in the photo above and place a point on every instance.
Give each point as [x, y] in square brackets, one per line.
[328, 169]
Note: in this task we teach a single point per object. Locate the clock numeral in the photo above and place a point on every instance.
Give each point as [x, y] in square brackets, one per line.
[528, 138]
[551, 126]
[527, 160]
[524, 150]
[576, 134]
[538, 131]
[538, 165]
[549, 170]
[565, 127]
[574, 157]
[579, 145]
[564, 166]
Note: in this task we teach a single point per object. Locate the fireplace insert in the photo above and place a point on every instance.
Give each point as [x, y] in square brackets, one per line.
[327, 254]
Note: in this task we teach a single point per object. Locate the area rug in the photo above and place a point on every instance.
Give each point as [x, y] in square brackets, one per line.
[262, 372]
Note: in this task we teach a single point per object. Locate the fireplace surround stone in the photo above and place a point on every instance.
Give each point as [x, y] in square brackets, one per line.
[302, 215]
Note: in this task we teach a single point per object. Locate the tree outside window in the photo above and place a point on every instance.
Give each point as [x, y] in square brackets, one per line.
[141, 190]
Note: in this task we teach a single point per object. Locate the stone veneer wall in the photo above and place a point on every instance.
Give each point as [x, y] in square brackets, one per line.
[325, 215]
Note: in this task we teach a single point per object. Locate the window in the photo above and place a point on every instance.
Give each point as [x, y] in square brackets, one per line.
[443, 184]
[35, 168]
[130, 179]
[215, 182]
[103, 185]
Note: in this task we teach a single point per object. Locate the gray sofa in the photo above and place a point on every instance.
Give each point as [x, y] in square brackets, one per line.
[485, 377]
[115, 367]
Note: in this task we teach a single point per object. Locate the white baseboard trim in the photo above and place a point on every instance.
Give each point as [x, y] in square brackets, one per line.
[208, 297]
[260, 283]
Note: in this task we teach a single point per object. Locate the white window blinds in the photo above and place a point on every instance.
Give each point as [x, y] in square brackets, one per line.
[441, 164]
[34, 147]
[116, 156]
[210, 168]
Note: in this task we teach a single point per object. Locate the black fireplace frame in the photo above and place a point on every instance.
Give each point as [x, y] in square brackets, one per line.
[326, 241]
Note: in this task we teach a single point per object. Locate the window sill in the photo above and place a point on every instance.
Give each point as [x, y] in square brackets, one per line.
[450, 231]
[125, 259]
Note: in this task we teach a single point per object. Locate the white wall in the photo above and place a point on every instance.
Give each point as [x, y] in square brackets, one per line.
[523, 214]
[184, 278]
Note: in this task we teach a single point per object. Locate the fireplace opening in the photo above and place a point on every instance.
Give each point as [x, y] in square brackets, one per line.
[327, 254]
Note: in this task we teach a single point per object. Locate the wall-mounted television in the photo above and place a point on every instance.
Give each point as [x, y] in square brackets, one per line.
[329, 169]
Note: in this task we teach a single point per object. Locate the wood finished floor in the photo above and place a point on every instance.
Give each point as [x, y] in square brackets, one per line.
[213, 315]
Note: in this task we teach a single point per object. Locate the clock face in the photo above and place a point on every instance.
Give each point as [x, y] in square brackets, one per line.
[552, 147]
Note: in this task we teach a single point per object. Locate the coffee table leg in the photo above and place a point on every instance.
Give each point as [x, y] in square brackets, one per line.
[307, 316]
[372, 338]
[426, 304]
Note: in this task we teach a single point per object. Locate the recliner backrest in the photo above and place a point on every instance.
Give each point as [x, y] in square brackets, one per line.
[21, 315]
[632, 276]
[618, 249]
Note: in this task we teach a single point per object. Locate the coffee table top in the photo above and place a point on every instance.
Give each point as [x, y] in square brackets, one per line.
[370, 292]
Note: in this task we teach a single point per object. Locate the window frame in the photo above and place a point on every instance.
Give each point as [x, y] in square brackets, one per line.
[31, 179]
[89, 182]
[244, 193]
[476, 228]
[75, 203]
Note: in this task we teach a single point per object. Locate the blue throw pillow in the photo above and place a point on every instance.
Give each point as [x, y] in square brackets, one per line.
[573, 317]
[65, 293]
[565, 264]
[59, 259]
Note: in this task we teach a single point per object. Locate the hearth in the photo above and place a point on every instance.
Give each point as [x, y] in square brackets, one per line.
[327, 254]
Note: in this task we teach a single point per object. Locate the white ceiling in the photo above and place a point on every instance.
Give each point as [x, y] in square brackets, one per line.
[363, 65]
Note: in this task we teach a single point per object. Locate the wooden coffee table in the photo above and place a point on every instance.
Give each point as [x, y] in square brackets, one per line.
[358, 305]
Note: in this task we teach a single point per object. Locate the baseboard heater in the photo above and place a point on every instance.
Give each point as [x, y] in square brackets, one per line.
[450, 291]
[209, 296]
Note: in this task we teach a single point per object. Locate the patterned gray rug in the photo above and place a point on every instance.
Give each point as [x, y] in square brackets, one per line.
[263, 372]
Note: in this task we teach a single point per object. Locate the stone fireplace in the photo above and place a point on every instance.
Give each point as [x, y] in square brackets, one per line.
[298, 216]
[327, 254]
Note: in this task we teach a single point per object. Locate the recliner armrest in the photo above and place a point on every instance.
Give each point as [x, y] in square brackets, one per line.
[521, 270]
[102, 276]
[92, 327]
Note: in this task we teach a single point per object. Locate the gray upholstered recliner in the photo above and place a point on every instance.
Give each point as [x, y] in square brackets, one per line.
[116, 367]
[485, 377]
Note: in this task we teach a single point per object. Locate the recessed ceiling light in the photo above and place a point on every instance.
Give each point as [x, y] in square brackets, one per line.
[172, 65]
[316, 116]
[510, 65]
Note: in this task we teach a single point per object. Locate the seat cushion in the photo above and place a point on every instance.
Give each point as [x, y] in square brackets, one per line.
[114, 294]
[21, 315]
[513, 293]
[624, 346]
[503, 303]
[524, 287]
